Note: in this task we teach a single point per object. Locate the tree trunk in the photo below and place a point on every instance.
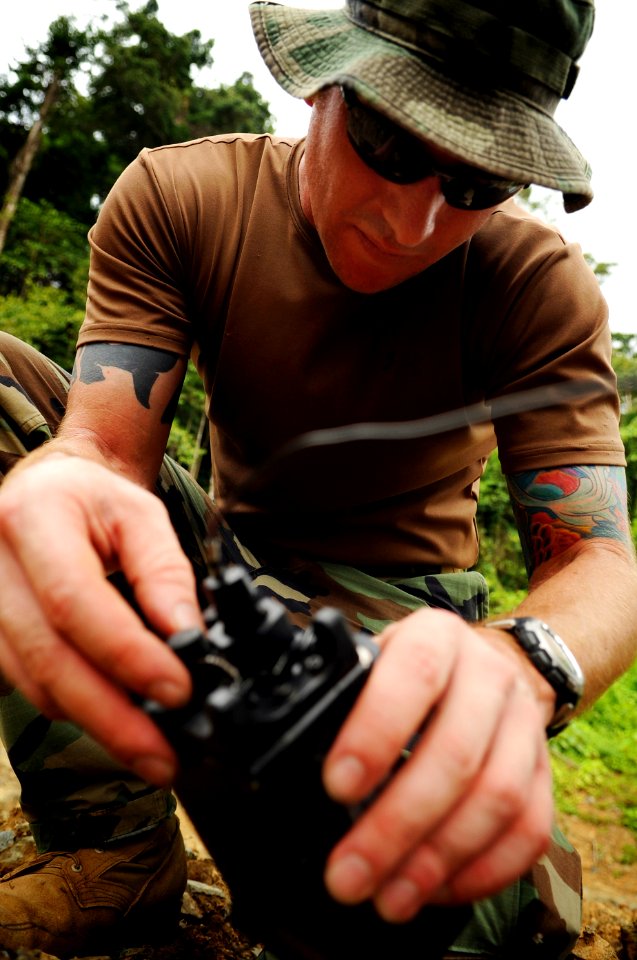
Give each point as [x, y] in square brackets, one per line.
[196, 461]
[24, 161]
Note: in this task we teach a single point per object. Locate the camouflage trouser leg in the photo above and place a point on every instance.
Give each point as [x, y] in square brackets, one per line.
[539, 916]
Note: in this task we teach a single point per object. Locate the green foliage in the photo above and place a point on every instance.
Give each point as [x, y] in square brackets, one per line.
[625, 366]
[182, 445]
[187, 443]
[44, 83]
[44, 318]
[628, 429]
[623, 346]
[75, 167]
[60, 56]
[602, 269]
[237, 107]
[46, 248]
[139, 93]
[595, 759]
[141, 85]
[500, 559]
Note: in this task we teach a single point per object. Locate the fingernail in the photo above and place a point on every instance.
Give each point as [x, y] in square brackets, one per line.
[344, 778]
[155, 770]
[400, 900]
[185, 615]
[350, 878]
[168, 693]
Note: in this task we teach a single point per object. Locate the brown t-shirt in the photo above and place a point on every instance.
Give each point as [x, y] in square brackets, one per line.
[202, 248]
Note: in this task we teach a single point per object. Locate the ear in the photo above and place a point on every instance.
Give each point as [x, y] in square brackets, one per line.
[309, 101]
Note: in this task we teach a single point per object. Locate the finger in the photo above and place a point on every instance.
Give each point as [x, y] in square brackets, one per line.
[127, 526]
[155, 565]
[107, 714]
[406, 681]
[70, 588]
[115, 641]
[514, 853]
[14, 675]
[60, 683]
[438, 775]
[20, 615]
[498, 797]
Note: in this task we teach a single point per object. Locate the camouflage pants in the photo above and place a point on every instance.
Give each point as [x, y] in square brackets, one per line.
[74, 794]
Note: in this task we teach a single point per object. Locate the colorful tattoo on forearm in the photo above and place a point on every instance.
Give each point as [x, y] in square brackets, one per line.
[556, 508]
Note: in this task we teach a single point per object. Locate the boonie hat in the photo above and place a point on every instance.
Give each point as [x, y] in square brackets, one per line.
[480, 79]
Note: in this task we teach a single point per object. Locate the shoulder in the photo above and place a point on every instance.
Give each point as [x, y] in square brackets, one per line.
[512, 234]
[250, 143]
[517, 247]
[237, 152]
[194, 166]
[530, 298]
[178, 187]
[517, 257]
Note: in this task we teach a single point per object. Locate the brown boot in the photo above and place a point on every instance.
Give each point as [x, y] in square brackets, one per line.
[66, 903]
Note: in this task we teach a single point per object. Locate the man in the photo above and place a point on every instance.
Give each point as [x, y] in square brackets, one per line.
[377, 270]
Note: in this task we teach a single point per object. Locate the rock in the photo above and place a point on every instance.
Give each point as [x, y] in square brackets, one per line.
[202, 898]
[591, 946]
[6, 838]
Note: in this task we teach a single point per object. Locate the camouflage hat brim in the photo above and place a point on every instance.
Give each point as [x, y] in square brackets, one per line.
[497, 130]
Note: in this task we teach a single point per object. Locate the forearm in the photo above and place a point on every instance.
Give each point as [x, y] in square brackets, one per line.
[119, 411]
[575, 536]
[591, 602]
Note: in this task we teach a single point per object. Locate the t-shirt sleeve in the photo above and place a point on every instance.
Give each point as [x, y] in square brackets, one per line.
[136, 285]
[542, 320]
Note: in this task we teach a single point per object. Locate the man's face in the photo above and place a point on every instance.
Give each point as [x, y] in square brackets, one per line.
[376, 233]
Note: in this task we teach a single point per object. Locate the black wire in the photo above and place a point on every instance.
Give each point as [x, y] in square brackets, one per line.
[485, 411]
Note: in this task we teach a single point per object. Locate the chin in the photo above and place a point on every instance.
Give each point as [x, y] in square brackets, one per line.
[364, 269]
[371, 281]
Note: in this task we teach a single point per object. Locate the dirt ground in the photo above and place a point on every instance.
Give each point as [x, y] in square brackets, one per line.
[205, 933]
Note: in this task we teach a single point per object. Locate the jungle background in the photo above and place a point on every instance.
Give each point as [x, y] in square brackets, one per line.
[73, 113]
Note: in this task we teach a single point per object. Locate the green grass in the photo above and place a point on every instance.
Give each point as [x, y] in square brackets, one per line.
[595, 760]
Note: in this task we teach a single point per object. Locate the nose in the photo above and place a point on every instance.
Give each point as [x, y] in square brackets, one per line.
[413, 212]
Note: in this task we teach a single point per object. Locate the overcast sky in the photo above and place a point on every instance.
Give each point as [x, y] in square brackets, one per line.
[598, 116]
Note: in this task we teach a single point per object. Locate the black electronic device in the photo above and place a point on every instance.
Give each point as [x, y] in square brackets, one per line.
[268, 700]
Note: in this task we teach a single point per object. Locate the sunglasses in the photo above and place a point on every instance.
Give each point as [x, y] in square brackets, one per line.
[399, 156]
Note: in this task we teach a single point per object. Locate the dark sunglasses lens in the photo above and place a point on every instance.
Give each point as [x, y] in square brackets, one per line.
[388, 150]
[469, 193]
[402, 158]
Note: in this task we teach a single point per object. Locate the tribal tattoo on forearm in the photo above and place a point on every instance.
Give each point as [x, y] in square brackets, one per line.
[145, 364]
[555, 508]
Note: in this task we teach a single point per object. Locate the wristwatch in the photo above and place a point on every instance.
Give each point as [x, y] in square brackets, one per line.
[552, 658]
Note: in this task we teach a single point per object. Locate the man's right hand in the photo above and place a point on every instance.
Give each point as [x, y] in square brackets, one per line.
[68, 640]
